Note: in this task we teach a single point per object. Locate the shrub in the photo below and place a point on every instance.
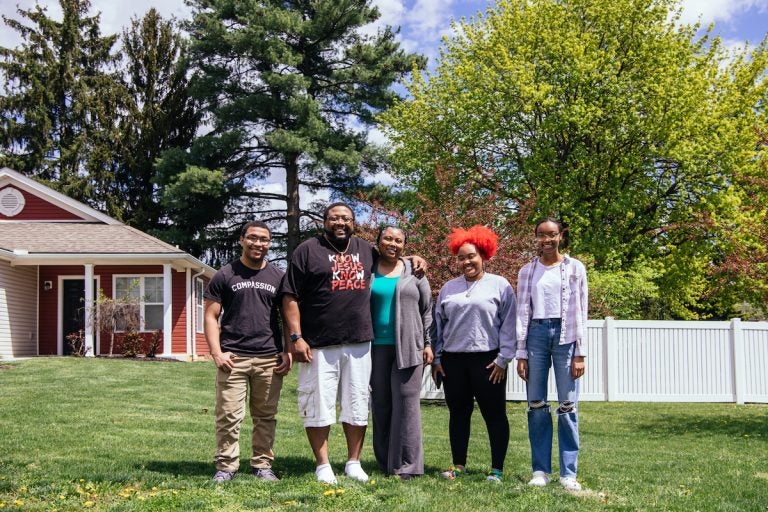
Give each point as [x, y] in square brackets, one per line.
[131, 343]
[154, 343]
[76, 342]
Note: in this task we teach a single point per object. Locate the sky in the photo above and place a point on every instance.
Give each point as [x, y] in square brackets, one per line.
[424, 22]
[422, 25]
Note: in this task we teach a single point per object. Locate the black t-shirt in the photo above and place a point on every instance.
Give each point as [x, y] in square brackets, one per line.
[249, 298]
[333, 291]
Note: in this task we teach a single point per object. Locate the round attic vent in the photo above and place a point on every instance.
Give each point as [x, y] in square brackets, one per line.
[11, 202]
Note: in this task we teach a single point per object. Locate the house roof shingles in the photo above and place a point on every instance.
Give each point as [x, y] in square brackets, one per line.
[80, 238]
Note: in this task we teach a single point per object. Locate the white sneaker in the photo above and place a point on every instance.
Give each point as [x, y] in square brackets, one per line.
[570, 484]
[539, 479]
[324, 474]
[353, 469]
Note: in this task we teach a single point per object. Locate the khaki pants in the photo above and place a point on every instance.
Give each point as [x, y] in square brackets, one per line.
[231, 392]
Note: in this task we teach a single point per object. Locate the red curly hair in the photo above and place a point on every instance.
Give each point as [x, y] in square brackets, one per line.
[485, 241]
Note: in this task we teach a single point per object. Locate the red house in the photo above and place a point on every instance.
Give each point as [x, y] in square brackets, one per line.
[56, 253]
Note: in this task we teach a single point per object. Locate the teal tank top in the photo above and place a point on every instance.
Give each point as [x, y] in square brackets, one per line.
[383, 309]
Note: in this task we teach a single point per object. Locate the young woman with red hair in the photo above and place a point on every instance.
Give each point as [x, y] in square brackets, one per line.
[474, 342]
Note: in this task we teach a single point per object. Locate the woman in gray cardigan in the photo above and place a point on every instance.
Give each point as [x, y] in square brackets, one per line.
[401, 309]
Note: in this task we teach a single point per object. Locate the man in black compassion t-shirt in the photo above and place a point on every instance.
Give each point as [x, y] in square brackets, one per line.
[326, 310]
[242, 328]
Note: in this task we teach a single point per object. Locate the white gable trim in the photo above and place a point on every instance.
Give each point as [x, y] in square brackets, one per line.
[179, 261]
[18, 180]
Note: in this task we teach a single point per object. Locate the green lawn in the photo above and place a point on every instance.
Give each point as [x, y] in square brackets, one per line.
[122, 435]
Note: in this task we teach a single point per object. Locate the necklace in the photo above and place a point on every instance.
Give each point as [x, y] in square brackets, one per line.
[334, 247]
[470, 287]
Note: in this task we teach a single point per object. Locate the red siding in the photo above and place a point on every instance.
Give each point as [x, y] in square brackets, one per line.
[36, 208]
[202, 345]
[49, 304]
[179, 313]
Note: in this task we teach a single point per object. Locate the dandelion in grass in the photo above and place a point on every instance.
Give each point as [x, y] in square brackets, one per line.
[18, 503]
[329, 492]
[339, 492]
[88, 504]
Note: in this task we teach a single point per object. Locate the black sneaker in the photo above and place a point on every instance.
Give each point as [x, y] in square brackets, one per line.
[223, 476]
[265, 474]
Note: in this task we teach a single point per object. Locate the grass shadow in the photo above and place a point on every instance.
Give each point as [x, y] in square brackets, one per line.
[288, 465]
[295, 466]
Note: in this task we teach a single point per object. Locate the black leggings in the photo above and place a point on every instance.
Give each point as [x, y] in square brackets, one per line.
[466, 380]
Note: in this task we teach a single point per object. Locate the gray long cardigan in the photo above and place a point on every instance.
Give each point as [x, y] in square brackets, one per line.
[413, 317]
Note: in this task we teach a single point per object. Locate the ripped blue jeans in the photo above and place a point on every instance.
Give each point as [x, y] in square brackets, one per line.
[544, 350]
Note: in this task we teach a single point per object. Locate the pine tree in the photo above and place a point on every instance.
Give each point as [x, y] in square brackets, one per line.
[158, 115]
[290, 87]
[60, 101]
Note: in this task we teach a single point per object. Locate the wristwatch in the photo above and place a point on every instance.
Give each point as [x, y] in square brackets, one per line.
[296, 337]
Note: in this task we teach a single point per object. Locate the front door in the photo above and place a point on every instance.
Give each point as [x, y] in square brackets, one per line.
[72, 309]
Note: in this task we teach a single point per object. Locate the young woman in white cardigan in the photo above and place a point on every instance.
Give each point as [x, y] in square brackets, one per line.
[551, 329]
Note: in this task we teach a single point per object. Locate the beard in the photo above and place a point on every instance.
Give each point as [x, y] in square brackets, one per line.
[336, 239]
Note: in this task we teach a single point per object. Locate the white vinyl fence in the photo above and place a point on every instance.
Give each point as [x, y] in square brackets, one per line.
[664, 361]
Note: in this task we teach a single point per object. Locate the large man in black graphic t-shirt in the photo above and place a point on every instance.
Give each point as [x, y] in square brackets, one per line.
[242, 328]
[326, 307]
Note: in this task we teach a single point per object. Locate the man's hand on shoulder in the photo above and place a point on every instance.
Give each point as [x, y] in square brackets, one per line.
[419, 265]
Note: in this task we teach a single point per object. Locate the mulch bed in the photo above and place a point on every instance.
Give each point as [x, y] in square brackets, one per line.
[142, 358]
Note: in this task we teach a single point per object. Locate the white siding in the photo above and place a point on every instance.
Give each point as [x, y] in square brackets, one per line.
[18, 311]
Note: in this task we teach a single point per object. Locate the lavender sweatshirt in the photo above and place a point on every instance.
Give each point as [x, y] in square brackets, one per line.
[476, 316]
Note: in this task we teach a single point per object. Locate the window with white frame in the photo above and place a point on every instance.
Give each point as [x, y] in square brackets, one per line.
[199, 305]
[147, 293]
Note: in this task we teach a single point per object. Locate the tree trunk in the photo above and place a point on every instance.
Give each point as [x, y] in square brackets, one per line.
[293, 210]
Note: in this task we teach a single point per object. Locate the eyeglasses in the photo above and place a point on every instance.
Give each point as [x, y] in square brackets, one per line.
[251, 239]
[340, 218]
[546, 236]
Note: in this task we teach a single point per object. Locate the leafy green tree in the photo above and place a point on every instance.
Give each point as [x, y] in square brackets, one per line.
[626, 294]
[741, 274]
[611, 115]
[60, 101]
[288, 88]
[157, 115]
